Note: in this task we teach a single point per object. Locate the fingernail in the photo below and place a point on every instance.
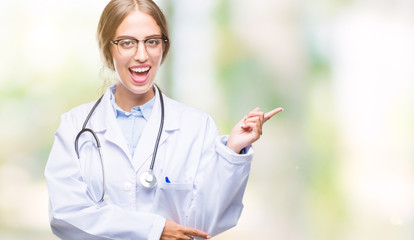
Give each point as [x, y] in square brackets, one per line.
[208, 237]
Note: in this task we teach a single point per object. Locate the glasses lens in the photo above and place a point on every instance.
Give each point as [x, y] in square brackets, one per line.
[127, 47]
[154, 46]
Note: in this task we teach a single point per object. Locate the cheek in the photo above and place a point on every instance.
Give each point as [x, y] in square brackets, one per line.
[117, 60]
[157, 61]
[120, 63]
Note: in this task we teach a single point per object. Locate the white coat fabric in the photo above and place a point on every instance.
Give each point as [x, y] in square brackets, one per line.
[204, 190]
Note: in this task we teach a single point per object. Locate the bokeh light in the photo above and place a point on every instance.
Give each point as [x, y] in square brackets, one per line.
[338, 163]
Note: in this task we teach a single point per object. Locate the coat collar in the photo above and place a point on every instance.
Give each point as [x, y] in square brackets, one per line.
[104, 121]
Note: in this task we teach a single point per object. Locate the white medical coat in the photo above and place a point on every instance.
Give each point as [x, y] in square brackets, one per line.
[206, 179]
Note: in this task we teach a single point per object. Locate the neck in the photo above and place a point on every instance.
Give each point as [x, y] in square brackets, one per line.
[126, 100]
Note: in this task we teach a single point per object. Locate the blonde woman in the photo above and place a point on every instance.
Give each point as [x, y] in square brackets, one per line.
[136, 164]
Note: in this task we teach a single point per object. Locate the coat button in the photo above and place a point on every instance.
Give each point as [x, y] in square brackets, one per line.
[127, 186]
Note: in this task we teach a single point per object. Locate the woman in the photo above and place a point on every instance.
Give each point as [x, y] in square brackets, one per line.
[164, 172]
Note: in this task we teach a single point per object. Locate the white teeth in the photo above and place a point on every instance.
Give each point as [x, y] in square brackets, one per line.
[140, 69]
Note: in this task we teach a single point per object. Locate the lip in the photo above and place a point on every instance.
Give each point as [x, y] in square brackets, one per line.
[142, 79]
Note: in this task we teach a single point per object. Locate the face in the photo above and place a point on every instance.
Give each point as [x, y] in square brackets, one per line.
[136, 73]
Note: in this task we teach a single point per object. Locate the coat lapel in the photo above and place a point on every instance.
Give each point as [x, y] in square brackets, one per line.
[105, 122]
[146, 144]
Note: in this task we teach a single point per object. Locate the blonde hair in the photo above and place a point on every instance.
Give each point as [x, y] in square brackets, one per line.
[112, 16]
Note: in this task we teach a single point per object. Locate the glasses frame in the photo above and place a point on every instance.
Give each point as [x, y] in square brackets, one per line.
[165, 41]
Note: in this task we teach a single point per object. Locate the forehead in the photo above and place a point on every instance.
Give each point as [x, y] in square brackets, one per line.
[139, 25]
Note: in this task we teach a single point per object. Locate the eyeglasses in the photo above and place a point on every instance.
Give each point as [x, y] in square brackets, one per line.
[128, 47]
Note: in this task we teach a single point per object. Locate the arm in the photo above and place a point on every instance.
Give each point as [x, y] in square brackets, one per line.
[219, 184]
[73, 214]
[223, 173]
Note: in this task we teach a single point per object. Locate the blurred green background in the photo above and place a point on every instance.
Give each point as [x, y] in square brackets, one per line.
[336, 164]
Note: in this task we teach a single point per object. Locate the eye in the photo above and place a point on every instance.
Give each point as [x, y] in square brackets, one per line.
[153, 42]
[127, 43]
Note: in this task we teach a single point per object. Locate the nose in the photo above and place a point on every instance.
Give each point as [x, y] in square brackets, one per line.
[141, 55]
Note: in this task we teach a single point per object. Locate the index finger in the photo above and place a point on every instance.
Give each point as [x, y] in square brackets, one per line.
[270, 114]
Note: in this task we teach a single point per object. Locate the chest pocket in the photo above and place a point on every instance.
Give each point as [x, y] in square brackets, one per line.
[172, 201]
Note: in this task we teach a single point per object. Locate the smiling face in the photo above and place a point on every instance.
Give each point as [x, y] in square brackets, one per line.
[137, 72]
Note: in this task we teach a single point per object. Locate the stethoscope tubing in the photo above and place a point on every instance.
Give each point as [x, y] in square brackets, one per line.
[98, 144]
[157, 142]
[84, 129]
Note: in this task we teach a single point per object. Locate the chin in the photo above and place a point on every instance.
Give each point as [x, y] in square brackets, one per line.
[139, 89]
[142, 89]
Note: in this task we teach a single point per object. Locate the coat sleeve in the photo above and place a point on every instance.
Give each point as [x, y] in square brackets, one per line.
[220, 183]
[73, 214]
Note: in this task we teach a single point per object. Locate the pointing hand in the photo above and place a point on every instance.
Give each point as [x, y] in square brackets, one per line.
[249, 129]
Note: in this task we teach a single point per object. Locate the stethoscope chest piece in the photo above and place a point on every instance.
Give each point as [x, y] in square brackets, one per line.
[148, 179]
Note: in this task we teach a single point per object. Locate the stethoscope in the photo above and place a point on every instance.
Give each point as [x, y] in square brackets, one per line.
[147, 178]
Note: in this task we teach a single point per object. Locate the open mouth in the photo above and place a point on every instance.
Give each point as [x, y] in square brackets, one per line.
[139, 74]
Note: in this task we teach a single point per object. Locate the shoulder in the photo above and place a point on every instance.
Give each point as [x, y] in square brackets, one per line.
[189, 117]
[77, 115]
[193, 125]
[82, 111]
[185, 111]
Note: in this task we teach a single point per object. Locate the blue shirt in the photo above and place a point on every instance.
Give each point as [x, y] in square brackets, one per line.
[132, 123]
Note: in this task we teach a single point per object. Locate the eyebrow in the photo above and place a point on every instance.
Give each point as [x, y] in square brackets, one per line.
[127, 36]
